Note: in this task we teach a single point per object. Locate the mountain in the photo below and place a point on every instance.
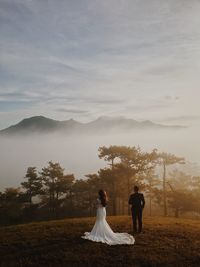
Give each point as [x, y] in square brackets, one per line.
[40, 124]
[43, 125]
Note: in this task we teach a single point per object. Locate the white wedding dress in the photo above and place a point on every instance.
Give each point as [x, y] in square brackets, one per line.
[102, 232]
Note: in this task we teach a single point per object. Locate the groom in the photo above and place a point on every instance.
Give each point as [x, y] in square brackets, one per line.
[137, 203]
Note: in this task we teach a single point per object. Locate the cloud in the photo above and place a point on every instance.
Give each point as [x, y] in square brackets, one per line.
[183, 118]
[98, 56]
[73, 111]
[171, 98]
[13, 105]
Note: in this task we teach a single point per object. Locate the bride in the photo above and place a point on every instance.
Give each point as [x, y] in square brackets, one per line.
[101, 231]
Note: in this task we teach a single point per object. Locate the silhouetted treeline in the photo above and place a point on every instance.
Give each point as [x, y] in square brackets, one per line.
[51, 193]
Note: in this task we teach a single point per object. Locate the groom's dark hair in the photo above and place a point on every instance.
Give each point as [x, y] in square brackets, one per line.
[136, 188]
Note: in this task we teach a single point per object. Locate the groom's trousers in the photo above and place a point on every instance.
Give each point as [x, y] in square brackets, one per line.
[137, 219]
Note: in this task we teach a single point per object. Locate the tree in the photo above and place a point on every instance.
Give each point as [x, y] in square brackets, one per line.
[131, 161]
[109, 180]
[180, 180]
[165, 160]
[181, 200]
[195, 183]
[109, 154]
[134, 162]
[151, 182]
[63, 185]
[196, 192]
[51, 176]
[94, 183]
[10, 206]
[33, 185]
[180, 195]
[81, 198]
[64, 194]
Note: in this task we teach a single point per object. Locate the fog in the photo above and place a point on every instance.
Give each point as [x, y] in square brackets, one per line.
[79, 154]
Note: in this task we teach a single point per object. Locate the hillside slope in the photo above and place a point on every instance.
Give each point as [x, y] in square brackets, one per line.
[43, 125]
[165, 242]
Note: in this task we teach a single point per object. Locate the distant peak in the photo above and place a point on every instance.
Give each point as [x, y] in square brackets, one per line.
[147, 122]
[36, 118]
[103, 118]
[102, 124]
[71, 121]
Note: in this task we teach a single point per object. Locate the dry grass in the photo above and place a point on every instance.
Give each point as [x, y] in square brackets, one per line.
[165, 242]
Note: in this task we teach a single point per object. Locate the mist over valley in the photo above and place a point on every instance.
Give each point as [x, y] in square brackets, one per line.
[34, 144]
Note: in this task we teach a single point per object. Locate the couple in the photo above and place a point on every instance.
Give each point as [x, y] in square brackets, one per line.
[102, 232]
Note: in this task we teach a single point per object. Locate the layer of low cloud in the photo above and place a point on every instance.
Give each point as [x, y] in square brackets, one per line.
[183, 118]
[72, 111]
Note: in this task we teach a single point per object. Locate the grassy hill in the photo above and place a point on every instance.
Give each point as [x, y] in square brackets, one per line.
[165, 242]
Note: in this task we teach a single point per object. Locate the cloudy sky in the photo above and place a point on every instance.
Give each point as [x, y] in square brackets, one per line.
[83, 59]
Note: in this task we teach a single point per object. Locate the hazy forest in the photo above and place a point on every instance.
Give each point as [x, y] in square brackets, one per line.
[52, 193]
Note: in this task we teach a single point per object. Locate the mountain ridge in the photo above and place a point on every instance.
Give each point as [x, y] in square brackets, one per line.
[41, 124]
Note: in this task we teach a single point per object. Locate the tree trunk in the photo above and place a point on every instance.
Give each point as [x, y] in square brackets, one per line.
[150, 213]
[114, 200]
[71, 202]
[164, 189]
[71, 198]
[30, 199]
[123, 206]
[90, 204]
[150, 199]
[128, 187]
[176, 212]
[117, 206]
[114, 191]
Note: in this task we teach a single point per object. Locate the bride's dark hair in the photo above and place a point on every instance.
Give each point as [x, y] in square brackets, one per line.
[103, 198]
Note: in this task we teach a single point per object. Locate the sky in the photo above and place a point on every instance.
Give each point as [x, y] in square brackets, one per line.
[84, 59]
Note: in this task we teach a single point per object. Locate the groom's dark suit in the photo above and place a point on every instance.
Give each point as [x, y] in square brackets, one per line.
[137, 202]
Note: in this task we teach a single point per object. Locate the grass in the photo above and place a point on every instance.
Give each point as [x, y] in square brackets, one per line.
[165, 242]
